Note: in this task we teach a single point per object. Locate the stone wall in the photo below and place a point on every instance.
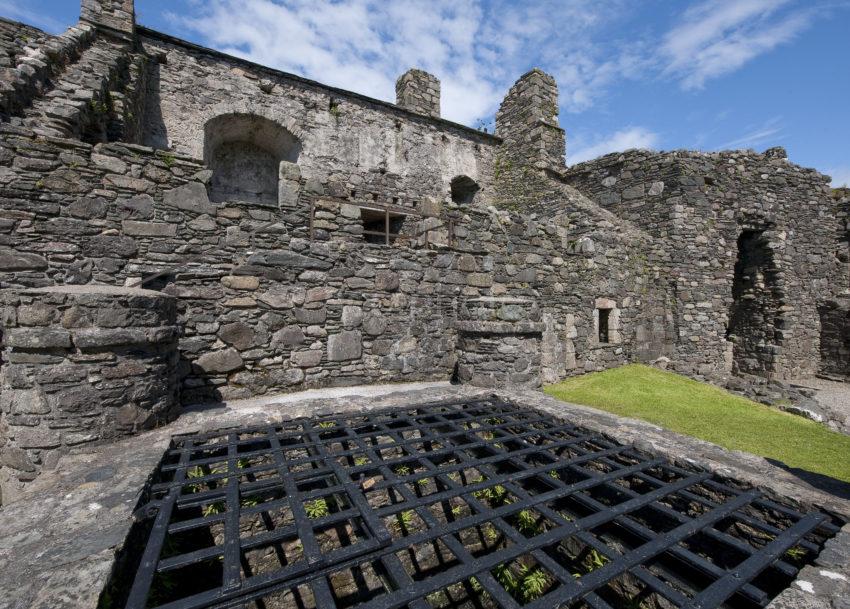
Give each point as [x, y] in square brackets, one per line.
[527, 121]
[81, 364]
[835, 338]
[312, 238]
[30, 59]
[342, 136]
[290, 296]
[698, 206]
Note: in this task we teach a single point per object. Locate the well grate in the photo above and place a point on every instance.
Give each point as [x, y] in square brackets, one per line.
[466, 504]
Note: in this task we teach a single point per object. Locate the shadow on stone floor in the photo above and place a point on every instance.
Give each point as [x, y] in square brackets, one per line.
[826, 484]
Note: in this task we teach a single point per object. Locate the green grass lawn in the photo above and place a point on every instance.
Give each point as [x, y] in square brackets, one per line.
[697, 409]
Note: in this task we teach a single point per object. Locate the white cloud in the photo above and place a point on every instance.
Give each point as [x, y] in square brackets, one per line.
[769, 133]
[840, 177]
[624, 139]
[479, 47]
[476, 48]
[716, 37]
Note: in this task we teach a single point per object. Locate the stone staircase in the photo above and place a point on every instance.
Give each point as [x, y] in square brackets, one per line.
[30, 63]
[80, 104]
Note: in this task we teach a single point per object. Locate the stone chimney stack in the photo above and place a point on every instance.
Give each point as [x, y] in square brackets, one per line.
[116, 15]
[418, 92]
[527, 121]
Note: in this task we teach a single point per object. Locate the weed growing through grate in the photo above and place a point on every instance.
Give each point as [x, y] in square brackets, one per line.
[403, 523]
[524, 579]
[592, 561]
[495, 496]
[528, 522]
[576, 557]
[318, 508]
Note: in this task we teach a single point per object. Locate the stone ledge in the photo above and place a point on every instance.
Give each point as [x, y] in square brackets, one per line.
[500, 327]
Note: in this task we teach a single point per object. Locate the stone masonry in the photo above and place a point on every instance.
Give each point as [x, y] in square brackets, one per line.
[419, 92]
[309, 236]
[499, 342]
[81, 364]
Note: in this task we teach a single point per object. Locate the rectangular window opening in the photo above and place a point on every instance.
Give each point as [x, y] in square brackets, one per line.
[381, 227]
[604, 317]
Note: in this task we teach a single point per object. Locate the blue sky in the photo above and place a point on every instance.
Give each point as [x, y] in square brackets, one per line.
[663, 74]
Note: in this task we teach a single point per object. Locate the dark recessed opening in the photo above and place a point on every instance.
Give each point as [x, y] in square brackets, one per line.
[604, 321]
[464, 189]
[244, 152]
[381, 227]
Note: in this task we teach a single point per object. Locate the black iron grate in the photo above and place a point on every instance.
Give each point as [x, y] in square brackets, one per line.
[471, 504]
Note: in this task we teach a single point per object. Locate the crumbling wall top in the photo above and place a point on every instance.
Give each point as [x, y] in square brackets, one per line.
[118, 15]
[418, 91]
[527, 120]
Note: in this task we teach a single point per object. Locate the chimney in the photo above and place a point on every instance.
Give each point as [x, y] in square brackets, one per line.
[119, 16]
[527, 121]
[418, 92]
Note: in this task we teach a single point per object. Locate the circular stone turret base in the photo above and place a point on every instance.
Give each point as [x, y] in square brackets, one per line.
[81, 364]
[499, 343]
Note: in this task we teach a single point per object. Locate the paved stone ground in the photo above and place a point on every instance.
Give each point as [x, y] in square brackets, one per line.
[833, 397]
[58, 542]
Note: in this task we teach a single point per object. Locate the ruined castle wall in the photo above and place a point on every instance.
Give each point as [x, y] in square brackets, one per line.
[698, 206]
[261, 219]
[291, 296]
[342, 135]
[574, 264]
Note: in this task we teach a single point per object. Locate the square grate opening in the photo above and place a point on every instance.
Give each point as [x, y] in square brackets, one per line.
[473, 504]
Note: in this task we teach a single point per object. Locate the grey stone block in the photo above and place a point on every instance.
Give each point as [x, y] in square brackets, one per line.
[345, 346]
[148, 229]
[99, 338]
[226, 360]
[109, 246]
[13, 260]
[307, 359]
[37, 338]
[238, 334]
